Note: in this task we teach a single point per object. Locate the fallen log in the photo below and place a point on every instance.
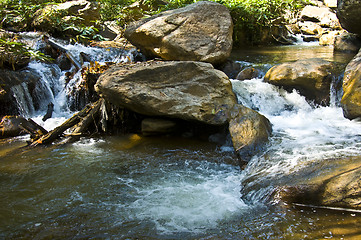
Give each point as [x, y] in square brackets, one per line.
[55, 134]
[67, 53]
[34, 129]
[82, 127]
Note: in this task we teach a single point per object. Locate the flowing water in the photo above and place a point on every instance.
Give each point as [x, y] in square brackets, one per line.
[134, 187]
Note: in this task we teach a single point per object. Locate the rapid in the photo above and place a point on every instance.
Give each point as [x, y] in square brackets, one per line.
[135, 187]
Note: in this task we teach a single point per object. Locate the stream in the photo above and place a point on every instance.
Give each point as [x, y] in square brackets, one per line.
[135, 187]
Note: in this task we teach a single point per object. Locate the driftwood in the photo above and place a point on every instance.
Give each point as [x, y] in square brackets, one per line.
[72, 59]
[35, 130]
[79, 122]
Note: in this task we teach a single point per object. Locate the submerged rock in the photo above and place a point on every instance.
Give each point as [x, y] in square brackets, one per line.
[178, 89]
[249, 130]
[351, 99]
[198, 32]
[312, 77]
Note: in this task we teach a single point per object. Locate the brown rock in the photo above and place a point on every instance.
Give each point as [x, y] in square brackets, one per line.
[312, 77]
[249, 130]
[199, 32]
[178, 89]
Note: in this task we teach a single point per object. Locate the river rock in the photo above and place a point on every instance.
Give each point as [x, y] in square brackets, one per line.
[249, 130]
[10, 126]
[351, 99]
[310, 28]
[198, 32]
[321, 15]
[311, 77]
[328, 38]
[332, 183]
[349, 14]
[347, 42]
[177, 89]
[85, 11]
[249, 73]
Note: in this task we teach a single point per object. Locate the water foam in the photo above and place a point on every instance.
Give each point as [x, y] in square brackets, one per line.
[186, 196]
[302, 133]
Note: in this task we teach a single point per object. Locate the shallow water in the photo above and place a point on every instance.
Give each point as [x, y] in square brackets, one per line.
[132, 187]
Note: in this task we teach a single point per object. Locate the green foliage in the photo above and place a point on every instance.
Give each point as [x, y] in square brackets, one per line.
[19, 13]
[249, 16]
[14, 52]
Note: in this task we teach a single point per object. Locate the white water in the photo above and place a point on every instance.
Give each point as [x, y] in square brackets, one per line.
[302, 133]
[53, 87]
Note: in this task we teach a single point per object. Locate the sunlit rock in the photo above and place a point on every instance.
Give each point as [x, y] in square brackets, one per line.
[10, 126]
[249, 130]
[311, 77]
[351, 99]
[328, 38]
[198, 32]
[177, 89]
[85, 12]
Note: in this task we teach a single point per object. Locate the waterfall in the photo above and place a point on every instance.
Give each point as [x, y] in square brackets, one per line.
[23, 99]
[54, 85]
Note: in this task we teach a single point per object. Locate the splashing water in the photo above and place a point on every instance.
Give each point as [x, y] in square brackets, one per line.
[302, 133]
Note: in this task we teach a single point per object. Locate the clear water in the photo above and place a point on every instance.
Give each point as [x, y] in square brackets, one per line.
[131, 187]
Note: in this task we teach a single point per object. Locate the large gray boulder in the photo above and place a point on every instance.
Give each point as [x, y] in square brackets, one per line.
[177, 89]
[311, 77]
[250, 131]
[198, 32]
[349, 14]
[351, 99]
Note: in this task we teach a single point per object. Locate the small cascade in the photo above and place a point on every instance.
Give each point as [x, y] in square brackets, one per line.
[23, 99]
[59, 86]
[303, 134]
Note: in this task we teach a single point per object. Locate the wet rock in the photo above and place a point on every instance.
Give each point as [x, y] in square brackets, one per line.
[311, 77]
[86, 13]
[349, 14]
[310, 28]
[19, 92]
[231, 68]
[177, 89]
[347, 42]
[351, 99]
[249, 73]
[192, 33]
[10, 126]
[335, 183]
[157, 126]
[249, 130]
